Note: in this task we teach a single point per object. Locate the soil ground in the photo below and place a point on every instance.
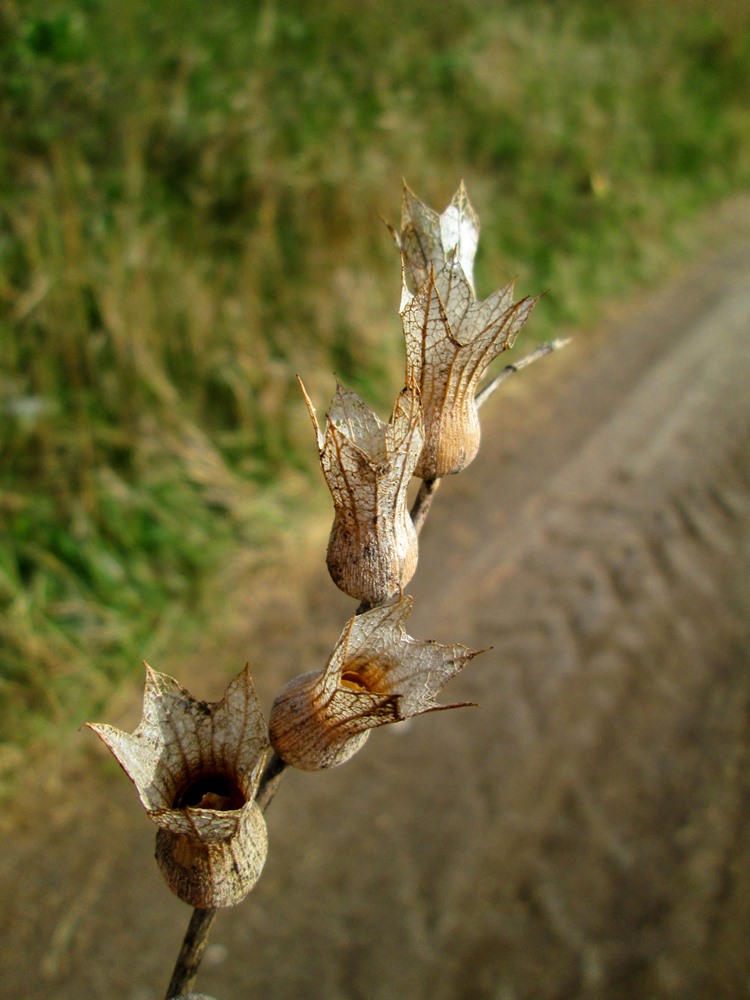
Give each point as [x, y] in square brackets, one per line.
[585, 833]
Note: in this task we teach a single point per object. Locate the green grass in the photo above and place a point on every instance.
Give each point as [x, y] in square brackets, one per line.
[189, 202]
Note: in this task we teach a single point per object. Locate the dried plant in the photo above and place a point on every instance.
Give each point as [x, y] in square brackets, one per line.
[451, 337]
[197, 766]
[372, 551]
[376, 674]
[427, 240]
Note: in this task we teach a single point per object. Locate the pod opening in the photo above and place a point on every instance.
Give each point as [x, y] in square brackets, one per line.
[211, 791]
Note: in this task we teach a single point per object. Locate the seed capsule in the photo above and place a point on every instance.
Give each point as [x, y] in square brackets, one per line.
[372, 549]
[377, 674]
[196, 766]
[451, 336]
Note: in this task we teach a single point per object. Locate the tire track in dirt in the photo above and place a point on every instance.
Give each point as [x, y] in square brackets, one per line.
[626, 643]
[628, 796]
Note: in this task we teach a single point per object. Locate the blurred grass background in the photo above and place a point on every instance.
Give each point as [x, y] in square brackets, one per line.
[189, 202]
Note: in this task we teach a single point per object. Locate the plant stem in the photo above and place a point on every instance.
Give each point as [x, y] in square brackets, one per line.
[196, 936]
[191, 953]
[422, 504]
[505, 373]
[270, 780]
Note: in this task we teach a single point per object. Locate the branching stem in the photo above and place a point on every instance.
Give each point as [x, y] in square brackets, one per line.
[196, 936]
[541, 352]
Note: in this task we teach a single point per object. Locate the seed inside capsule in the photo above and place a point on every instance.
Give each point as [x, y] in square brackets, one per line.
[356, 682]
[211, 791]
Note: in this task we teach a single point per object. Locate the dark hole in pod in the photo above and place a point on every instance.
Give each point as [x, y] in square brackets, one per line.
[211, 791]
[354, 681]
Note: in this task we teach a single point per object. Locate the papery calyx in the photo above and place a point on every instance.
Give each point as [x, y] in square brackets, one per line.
[196, 766]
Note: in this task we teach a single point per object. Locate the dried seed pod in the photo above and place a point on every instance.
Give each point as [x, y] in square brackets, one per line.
[372, 549]
[447, 352]
[451, 337]
[427, 239]
[376, 674]
[196, 766]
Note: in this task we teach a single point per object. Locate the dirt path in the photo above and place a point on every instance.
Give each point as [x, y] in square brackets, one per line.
[586, 832]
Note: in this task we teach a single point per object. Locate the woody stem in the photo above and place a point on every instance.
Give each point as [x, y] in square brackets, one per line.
[189, 960]
[422, 504]
[505, 373]
[270, 780]
[199, 929]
